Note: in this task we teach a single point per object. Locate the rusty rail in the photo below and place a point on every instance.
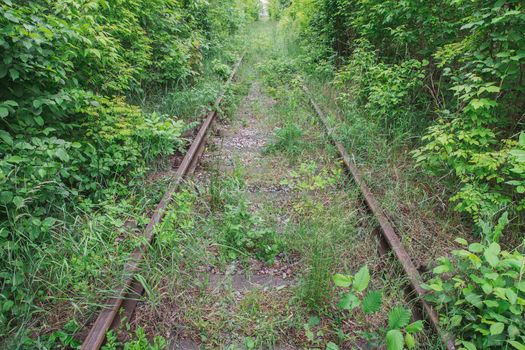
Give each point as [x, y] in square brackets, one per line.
[387, 229]
[127, 296]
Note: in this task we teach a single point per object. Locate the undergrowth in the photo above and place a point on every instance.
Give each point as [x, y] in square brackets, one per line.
[95, 95]
[242, 233]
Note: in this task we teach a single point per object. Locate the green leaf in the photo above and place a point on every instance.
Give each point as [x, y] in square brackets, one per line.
[313, 321]
[14, 74]
[398, 317]
[332, 346]
[10, 16]
[15, 159]
[410, 341]
[511, 296]
[468, 345]
[517, 345]
[372, 302]
[513, 331]
[476, 247]
[491, 303]
[42, 172]
[6, 197]
[4, 112]
[521, 286]
[8, 305]
[18, 202]
[37, 103]
[10, 103]
[6, 137]
[62, 154]
[394, 340]
[39, 120]
[415, 327]
[361, 279]
[249, 342]
[342, 280]
[474, 299]
[461, 241]
[492, 88]
[491, 254]
[441, 269]
[497, 328]
[349, 301]
[519, 154]
[522, 139]
[482, 103]
[455, 320]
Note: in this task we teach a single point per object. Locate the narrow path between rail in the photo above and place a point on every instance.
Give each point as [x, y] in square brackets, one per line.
[249, 248]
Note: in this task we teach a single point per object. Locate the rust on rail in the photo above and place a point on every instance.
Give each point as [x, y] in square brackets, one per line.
[127, 296]
[387, 229]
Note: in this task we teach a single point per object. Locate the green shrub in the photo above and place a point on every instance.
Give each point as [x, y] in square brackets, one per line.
[388, 92]
[69, 138]
[480, 295]
[139, 341]
[400, 332]
[242, 234]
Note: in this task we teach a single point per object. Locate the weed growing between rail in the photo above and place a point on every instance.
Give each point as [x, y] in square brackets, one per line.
[272, 220]
[79, 185]
[283, 79]
[414, 92]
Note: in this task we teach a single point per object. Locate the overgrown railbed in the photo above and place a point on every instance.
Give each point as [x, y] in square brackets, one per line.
[80, 134]
[427, 113]
[96, 95]
[295, 183]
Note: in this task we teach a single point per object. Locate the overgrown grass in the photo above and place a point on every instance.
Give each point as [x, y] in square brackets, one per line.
[91, 240]
[333, 237]
[84, 264]
[320, 224]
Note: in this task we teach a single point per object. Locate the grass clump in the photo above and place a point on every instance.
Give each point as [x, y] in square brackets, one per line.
[242, 233]
[287, 139]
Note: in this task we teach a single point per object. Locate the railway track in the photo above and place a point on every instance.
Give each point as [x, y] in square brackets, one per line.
[123, 304]
[388, 233]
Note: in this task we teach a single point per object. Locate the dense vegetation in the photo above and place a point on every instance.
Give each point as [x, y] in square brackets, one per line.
[453, 67]
[445, 79]
[73, 136]
[95, 95]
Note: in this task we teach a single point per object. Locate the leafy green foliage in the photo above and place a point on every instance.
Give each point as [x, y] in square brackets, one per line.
[388, 92]
[399, 332]
[453, 67]
[398, 317]
[70, 139]
[372, 302]
[242, 232]
[139, 341]
[276, 7]
[287, 139]
[394, 340]
[481, 296]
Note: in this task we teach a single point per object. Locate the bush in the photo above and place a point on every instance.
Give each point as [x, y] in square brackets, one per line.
[388, 92]
[480, 295]
[454, 67]
[70, 138]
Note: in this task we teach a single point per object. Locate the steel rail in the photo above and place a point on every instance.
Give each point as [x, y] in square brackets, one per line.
[128, 295]
[388, 232]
